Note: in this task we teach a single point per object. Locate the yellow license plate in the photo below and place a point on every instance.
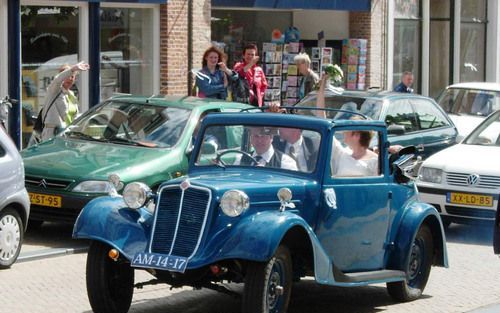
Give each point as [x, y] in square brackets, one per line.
[45, 200]
[470, 199]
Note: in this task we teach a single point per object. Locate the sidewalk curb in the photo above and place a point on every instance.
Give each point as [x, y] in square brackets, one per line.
[49, 253]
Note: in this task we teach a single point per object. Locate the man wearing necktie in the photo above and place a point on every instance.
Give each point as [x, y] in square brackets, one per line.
[261, 139]
[304, 150]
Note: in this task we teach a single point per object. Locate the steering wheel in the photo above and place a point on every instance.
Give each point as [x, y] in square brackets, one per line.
[245, 157]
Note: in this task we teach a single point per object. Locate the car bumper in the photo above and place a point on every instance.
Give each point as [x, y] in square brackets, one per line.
[71, 205]
[460, 213]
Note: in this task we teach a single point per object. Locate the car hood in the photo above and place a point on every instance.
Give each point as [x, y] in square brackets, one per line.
[260, 186]
[465, 123]
[73, 159]
[464, 158]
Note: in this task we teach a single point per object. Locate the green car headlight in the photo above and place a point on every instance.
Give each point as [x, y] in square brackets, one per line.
[431, 175]
[136, 194]
[93, 186]
[234, 202]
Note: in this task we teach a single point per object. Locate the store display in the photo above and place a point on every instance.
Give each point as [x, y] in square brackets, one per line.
[272, 65]
[354, 53]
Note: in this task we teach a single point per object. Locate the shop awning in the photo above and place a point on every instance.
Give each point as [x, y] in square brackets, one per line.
[344, 5]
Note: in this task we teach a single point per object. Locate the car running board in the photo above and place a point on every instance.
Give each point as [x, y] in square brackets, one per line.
[368, 277]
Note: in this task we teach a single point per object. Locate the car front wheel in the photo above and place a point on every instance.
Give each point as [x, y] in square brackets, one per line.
[268, 285]
[418, 268]
[11, 237]
[110, 284]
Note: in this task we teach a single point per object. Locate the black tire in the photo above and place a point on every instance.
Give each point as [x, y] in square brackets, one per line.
[110, 284]
[11, 236]
[418, 268]
[260, 294]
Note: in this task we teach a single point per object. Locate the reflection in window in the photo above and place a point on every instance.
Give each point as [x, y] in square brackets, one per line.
[126, 51]
[472, 40]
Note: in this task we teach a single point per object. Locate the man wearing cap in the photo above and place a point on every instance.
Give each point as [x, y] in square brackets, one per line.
[261, 139]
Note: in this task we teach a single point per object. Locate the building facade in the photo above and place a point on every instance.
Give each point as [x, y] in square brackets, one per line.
[151, 46]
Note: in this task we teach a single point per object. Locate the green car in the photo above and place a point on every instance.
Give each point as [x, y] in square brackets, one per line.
[146, 139]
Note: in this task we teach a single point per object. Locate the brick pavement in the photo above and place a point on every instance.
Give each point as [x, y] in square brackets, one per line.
[58, 285]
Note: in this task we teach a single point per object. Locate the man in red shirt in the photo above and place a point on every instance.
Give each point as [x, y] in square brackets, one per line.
[254, 75]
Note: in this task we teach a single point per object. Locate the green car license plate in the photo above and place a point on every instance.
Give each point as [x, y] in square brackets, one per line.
[160, 261]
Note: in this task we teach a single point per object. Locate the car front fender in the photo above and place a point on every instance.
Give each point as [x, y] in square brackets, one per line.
[257, 237]
[417, 214]
[109, 220]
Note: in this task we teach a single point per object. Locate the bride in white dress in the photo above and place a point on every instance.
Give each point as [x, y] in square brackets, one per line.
[355, 159]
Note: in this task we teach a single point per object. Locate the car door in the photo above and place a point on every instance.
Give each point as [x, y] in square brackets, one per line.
[402, 123]
[354, 216]
[436, 130]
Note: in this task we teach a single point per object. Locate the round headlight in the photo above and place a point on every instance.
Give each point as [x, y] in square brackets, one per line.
[234, 202]
[136, 194]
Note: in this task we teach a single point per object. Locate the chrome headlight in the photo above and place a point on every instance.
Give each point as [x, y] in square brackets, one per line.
[136, 194]
[431, 175]
[234, 202]
[93, 186]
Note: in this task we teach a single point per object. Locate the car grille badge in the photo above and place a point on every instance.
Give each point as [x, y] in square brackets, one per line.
[473, 179]
[185, 185]
[42, 183]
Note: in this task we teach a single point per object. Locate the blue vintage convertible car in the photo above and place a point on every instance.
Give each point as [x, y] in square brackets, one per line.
[267, 220]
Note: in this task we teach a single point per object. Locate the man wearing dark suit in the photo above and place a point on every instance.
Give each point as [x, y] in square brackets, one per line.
[303, 149]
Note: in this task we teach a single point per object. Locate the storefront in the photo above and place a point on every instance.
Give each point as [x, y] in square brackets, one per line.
[117, 38]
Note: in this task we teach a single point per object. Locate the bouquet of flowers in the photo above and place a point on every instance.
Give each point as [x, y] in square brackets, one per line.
[335, 73]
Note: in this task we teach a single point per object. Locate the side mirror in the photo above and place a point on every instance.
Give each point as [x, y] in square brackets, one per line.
[396, 130]
[406, 168]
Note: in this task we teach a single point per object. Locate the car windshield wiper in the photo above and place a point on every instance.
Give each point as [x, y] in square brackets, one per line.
[131, 142]
[80, 135]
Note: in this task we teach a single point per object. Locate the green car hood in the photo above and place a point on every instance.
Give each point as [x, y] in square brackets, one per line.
[77, 160]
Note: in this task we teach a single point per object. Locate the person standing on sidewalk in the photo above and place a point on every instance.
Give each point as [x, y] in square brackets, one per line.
[214, 77]
[253, 74]
[309, 79]
[405, 84]
[61, 104]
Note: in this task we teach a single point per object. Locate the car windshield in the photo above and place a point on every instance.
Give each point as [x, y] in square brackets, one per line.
[369, 107]
[286, 148]
[131, 124]
[469, 101]
[487, 133]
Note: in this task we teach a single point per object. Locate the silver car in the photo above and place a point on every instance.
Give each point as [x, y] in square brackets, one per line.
[468, 104]
[14, 201]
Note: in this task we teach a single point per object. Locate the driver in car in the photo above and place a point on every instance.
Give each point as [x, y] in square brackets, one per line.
[264, 153]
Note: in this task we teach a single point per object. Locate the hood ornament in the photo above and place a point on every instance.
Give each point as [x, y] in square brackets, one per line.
[185, 185]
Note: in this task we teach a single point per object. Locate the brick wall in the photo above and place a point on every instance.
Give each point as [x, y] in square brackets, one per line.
[174, 42]
[371, 26]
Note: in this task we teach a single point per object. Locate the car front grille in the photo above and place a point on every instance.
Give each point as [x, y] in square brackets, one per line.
[180, 220]
[41, 182]
[462, 179]
[470, 212]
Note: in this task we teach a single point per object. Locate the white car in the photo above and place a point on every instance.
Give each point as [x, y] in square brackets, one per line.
[468, 104]
[14, 201]
[463, 181]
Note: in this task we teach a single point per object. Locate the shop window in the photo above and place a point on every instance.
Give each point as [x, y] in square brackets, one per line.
[233, 28]
[49, 39]
[440, 46]
[407, 41]
[472, 40]
[126, 51]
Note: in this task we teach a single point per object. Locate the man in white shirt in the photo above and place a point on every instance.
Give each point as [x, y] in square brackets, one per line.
[261, 139]
[303, 149]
